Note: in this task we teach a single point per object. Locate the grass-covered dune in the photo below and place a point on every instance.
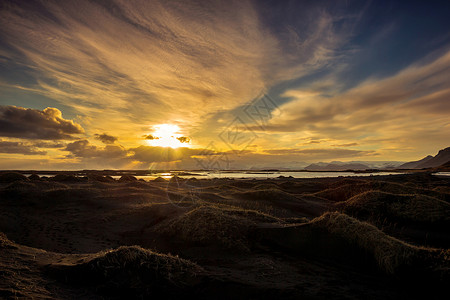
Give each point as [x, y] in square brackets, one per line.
[405, 208]
[131, 271]
[94, 237]
[339, 236]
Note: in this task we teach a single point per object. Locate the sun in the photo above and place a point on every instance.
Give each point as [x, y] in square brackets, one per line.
[167, 135]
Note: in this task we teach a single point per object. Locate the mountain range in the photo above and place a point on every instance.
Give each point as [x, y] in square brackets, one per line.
[429, 161]
[441, 158]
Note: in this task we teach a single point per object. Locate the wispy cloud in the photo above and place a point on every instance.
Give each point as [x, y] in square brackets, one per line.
[406, 109]
[322, 152]
[136, 63]
[117, 68]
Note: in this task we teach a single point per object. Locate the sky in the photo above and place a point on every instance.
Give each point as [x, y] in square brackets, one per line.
[129, 84]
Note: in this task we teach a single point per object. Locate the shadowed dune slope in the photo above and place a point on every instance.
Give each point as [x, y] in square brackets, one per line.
[132, 272]
[404, 208]
[339, 236]
[216, 226]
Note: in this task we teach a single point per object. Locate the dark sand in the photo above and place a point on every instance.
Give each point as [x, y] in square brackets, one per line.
[381, 237]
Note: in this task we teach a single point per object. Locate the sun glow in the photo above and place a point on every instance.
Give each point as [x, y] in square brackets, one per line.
[167, 135]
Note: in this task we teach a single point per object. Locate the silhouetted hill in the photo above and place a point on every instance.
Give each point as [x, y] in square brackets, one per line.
[414, 164]
[441, 158]
[444, 168]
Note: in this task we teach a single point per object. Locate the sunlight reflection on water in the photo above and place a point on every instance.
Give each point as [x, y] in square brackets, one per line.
[256, 175]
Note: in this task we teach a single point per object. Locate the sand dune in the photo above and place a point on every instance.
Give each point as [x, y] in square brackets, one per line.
[281, 238]
[131, 272]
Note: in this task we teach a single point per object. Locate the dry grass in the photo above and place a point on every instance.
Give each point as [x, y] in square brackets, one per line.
[220, 226]
[266, 195]
[270, 201]
[4, 241]
[338, 237]
[442, 189]
[408, 208]
[100, 178]
[262, 207]
[132, 272]
[392, 255]
[348, 188]
[342, 193]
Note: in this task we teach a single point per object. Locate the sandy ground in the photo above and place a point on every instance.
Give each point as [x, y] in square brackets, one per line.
[383, 237]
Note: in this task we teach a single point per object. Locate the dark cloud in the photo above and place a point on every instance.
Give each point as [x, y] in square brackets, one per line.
[150, 137]
[44, 144]
[86, 151]
[83, 149]
[183, 139]
[106, 138]
[47, 124]
[19, 148]
[165, 154]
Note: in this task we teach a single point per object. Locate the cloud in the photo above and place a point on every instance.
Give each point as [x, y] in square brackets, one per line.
[407, 109]
[105, 138]
[149, 154]
[28, 123]
[83, 153]
[45, 144]
[19, 148]
[127, 65]
[127, 62]
[345, 145]
[83, 149]
[184, 139]
[150, 137]
[119, 156]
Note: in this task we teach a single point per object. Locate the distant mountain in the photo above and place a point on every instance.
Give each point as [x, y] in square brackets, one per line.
[415, 164]
[336, 166]
[353, 165]
[293, 165]
[379, 164]
[441, 158]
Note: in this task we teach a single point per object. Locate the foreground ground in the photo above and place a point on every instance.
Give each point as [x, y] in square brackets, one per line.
[351, 238]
